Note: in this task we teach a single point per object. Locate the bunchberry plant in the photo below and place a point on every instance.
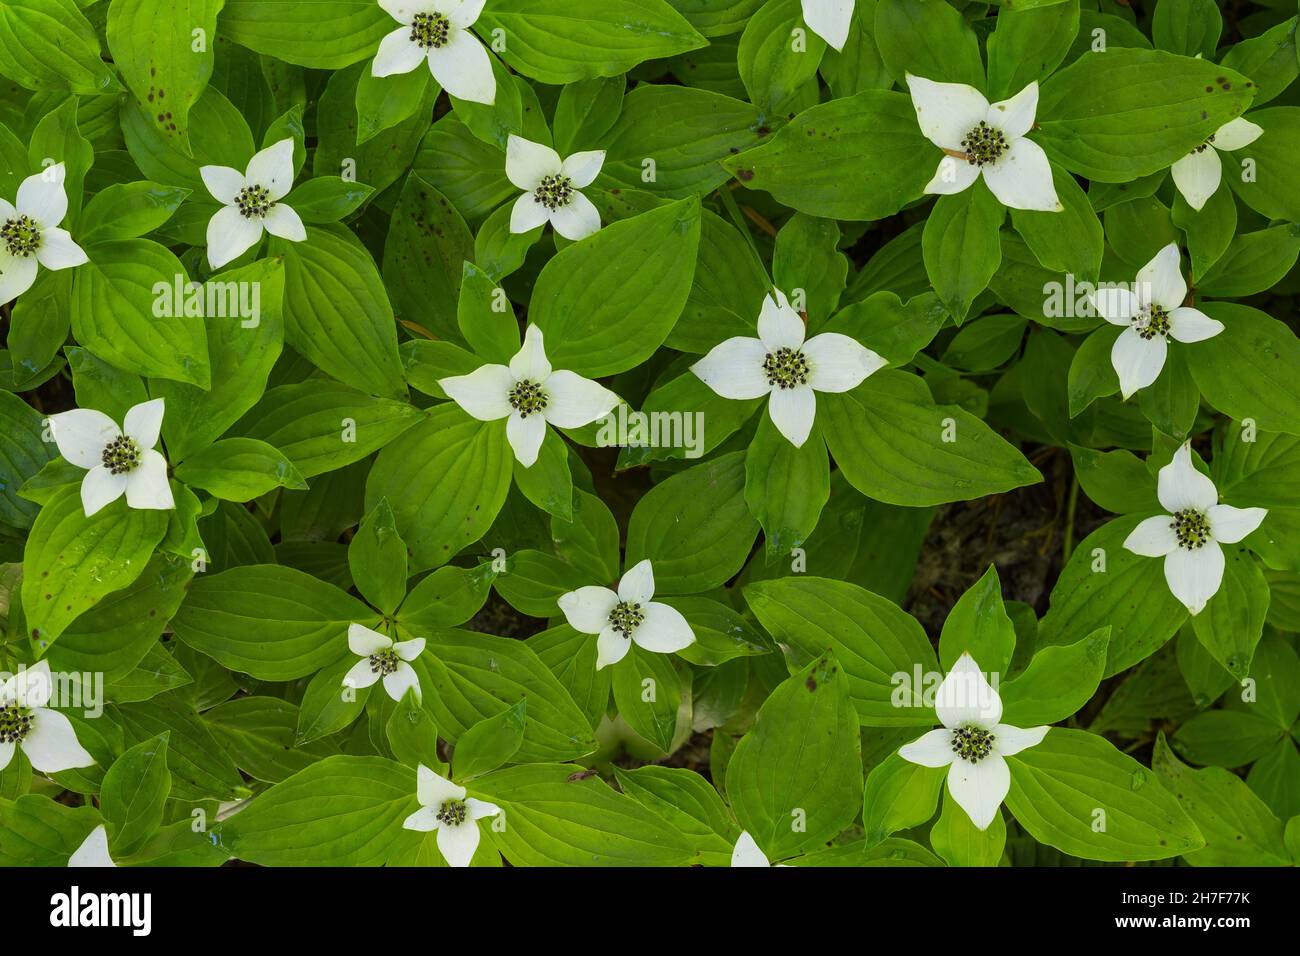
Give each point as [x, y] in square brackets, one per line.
[755, 433]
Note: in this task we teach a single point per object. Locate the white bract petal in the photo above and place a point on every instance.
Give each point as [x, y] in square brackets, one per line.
[576, 220]
[433, 790]
[1197, 176]
[829, 19]
[932, 749]
[82, 434]
[1008, 740]
[793, 411]
[951, 177]
[1015, 116]
[93, 850]
[527, 214]
[1153, 537]
[1022, 178]
[1116, 304]
[966, 698]
[1229, 525]
[282, 221]
[457, 843]
[638, 583]
[583, 168]
[747, 852]
[979, 788]
[484, 393]
[838, 363]
[364, 641]
[58, 251]
[734, 369]
[526, 435]
[611, 647]
[1194, 575]
[530, 363]
[230, 235]
[147, 487]
[573, 401]
[1236, 133]
[222, 182]
[779, 325]
[399, 681]
[17, 273]
[143, 422]
[946, 112]
[587, 609]
[664, 630]
[1161, 282]
[1180, 486]
[397, 53]
[100, 488]
[464, 69]
[528, 163]
[1192, 325]
[42, 197]
[1137, 360]
[51, 744]
[272, 168]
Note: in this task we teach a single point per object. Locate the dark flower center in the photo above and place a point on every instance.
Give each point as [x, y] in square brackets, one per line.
[625, 617]
[526, 398]
[1204, 146]
[430, 30]
[972, 743]
[121, 455]
[1191, 528]
[1154, 322]
[453, 812]
[786, 368]
[22, 236]
[253, 202]
[983, 145]
[384, 662]
[554, 191]
[15, 724]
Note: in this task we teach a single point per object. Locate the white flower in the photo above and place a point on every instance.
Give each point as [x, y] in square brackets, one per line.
[529, 394]
[120, 460]
[979, 138]
[829, 19]
[1198, 173]
[1153, 312]
[438, 31]
[626, 615]
[445, 808]
[93, 850]
[972, 743]
[251, 203]
[551, 187]
[381, 657]
[45, 736]
[30, 233]
[780, 364]
[747, 852]
[1188, 537]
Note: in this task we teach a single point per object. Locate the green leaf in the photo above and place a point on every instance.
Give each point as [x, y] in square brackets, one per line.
[882, 650]
[446, 479]
[648, 692]
[1104, 584]
[1028, 44]
[560, 41]
[239, 469]
[489, 743]
[1245, 374]
[428, 244]
[795, 780]
[1116, 115]
[1076, 792]
[961, 246]
[336, 311]
[128, 210]
[978, 625]
[377, 559]
[899, 795]
[558, 817]
[688, 802]
[1057, 683]
[606, 303]
[1070, 240]
[321, 425]
[895, 445]
[71, 562]
[694, 527]
[870, 140]
[258, 733]
[928, 38]
[272, 622]
[1237, 827]
[1189, 27]
[23, 453]
[957, 840]
[329, 198]
[476, 676]
[154, 44]
[296, 31]
[785, 487]
[1232, 622]
[448, 597]
[772, 66]
[134, 792]
[413, 736]
[340, 811]
[50, 45]
[118, 312]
